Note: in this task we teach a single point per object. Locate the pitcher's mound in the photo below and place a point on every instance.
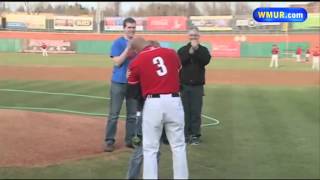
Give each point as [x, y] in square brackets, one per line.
[38, 138]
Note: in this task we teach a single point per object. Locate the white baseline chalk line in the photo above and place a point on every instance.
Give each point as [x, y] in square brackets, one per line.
[214, 121]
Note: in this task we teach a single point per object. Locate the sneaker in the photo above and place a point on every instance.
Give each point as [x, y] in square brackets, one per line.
[195, 141]
[109, 148]
[129, 146]
[187, 140]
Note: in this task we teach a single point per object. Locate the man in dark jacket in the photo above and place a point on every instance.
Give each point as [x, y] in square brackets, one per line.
[194, 57]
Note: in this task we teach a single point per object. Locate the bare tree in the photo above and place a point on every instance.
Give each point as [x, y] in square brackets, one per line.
[20, 9]
[2, 6]
[92, 10]
[49, 9]
[192, 9]
[225, 9]
[116, 8]
[136, 12]
[108, 10]
[211, 9]
[157, 9]
[39, 8]
[60, 9]
[243, 8]
[27, 6]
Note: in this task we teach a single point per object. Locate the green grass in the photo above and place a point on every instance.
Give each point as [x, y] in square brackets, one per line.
[68, 60]
[57, 101]
[257, 64]
[264, 132]
[85, 60]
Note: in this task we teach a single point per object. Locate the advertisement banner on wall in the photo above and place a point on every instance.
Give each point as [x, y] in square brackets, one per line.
[253, 23]
[16, 25]
[17, 21]
[312, 22]
[212, 23]
[116, 23]
[166, 23]
[225, 49]
[54, 46]
[242, 22]
[73, 23]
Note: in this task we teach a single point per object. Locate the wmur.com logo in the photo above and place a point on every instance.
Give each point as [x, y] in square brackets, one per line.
[280, 14]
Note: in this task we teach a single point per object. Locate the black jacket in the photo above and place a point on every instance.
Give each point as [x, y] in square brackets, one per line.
[193, 65]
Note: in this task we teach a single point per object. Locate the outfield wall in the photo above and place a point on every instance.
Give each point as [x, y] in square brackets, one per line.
[219, 45]
[10, 45]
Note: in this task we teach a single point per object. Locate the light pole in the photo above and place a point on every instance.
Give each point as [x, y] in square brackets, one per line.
[3, 6]
[26, 4]
[98, 16]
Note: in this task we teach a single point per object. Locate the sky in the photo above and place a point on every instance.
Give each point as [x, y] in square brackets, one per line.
[125, 6]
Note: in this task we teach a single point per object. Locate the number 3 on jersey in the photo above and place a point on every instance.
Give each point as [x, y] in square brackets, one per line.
[159, 62]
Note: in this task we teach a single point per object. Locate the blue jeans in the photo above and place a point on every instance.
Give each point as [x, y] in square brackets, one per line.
[118, 94]
[136, 160]
[135, 163]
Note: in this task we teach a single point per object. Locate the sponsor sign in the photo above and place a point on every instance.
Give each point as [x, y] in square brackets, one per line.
[16, 25]
[19, 21]
[73, 23]
[54, 46]
[116, 23]
[253, 23]
[225, 49]
[166, 23]
[212, 23]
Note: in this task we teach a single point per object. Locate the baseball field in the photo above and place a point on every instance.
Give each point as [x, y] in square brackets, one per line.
[257, 122]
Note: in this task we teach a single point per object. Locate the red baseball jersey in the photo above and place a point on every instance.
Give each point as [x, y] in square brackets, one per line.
[157, 71]
[299, 51]
[275, 50]
[44, 46]
[316, 52]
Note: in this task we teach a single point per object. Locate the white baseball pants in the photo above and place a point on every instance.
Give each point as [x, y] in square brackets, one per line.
[274, 60]
[164, 111]
[315, 63]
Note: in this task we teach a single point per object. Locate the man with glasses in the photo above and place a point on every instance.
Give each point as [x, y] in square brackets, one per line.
[194, 57]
